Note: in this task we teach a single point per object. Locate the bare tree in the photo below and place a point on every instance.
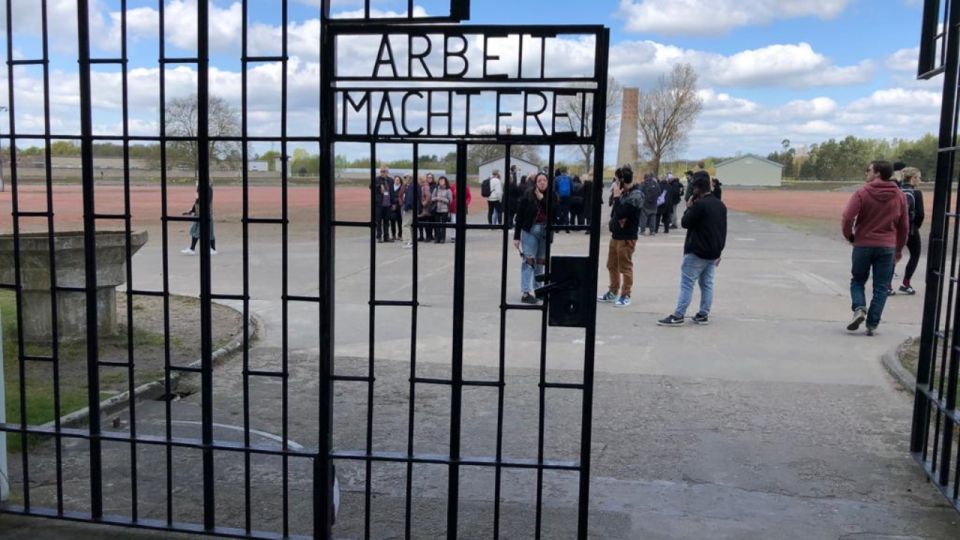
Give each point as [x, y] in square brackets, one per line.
[224, 121]
[667, 113]
[580, 113]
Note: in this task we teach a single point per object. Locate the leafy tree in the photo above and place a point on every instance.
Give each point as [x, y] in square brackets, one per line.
[180, 119]
[667, 112]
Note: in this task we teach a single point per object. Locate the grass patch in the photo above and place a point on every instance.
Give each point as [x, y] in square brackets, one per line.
[910, 357]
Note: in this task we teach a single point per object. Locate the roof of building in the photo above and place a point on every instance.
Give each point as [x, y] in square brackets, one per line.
[754, 156]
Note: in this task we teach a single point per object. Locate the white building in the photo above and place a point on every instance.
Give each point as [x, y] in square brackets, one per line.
[750, 170]
[258, 166]
[524, 167]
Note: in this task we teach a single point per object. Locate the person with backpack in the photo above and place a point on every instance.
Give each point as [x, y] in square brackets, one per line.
[564, 188]
[663, 214]
[491, 189]
[624, 224]
[576, 202]
[651, 192]
[911, 189]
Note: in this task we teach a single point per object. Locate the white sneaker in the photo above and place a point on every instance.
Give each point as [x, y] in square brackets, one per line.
[408, 245]
[213, 252]
[188, 251]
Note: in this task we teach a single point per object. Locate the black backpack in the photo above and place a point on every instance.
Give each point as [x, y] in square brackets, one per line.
[485, 188]
[911, 207]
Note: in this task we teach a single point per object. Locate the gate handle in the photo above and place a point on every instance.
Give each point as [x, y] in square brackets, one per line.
[568, 284]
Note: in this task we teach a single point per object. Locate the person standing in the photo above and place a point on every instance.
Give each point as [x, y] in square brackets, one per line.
[426, 214]
[587, 200]
[911, 188]
[705, 220]
[651, 192]
[381, 189]
[717, 189]
[396, 212]
[624, 224]
[663, 205]
[495, 200]
[442, 198]
[676, 197]
[513, 192]
[410, 203]
[877, 223]
[576, 202]
[195, 227]
[454, 207]
[564, 188]
[530, 236]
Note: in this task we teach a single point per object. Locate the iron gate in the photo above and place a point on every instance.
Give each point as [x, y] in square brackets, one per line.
[461, 82]
[934, 441]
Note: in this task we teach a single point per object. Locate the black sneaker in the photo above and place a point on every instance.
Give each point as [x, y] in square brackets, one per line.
[906, 289]
[671, 320]
[891, 292]
[528, 298]
[701, 318]
[871, 330]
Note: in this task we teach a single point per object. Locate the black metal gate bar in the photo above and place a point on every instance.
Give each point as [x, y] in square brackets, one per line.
[936, 336]
[245, 226]
[90, 261]
[285, 266]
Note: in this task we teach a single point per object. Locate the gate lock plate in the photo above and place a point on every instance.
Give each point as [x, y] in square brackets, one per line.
[569, 299]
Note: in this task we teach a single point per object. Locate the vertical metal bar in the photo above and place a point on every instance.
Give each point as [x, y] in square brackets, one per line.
[586, 419]
[502, 367]
[415, 298]
[936, 255]
[323, 467]
[542, 404]
[204, 215]
[17, 267]
[456, 375]
[371, 339]
[928, 43]
[90, 259]
[128, 257]
[949, 372]
[245, 180]
[285, 266]
[165, 267]
[52, 261]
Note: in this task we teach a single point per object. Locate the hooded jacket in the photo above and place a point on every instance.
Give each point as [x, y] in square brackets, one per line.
[876, 216]
[625, 217]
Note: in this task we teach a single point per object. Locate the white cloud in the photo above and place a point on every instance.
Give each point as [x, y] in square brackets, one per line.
[712, 17]
[904, 60]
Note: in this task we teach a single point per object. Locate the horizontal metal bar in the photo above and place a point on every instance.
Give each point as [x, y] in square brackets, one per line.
[112, 216]
[437, 459]
[563, 386]
[273, 449]
[486, 384]
[24, 62]
[354, 224]
[933, 476]
[186, 219]
[468, 139]
[933, 396]
[270, 374]
[37, 214]
[264, 58]
[186, 369]
[117, 61]
[393, 303]
[183, 60]
[104, 363]
[136, 292]
[145, 524]
[266, 221]
[155, 138]
[66, 288]
[37, 358]
[309, 299]
[524, 307]
[352, 378]
[339, 27]
[232, 297]
[531, 84]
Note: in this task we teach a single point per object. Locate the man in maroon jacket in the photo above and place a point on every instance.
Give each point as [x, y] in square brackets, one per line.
[876, 222]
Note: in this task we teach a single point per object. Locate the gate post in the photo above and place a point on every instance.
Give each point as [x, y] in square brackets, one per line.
[4, 475]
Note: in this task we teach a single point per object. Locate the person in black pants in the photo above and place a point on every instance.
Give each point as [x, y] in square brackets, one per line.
[382, 191]
[587, 192]
[911, 188]
[396, 213]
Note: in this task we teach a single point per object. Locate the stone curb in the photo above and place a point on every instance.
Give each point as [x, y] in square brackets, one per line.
[891, 361]
[156, 389]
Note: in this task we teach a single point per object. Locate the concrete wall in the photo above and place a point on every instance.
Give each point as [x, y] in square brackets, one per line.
[750, 171]
[486, 170]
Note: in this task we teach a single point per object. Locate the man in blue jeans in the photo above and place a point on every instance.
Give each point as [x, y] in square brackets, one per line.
[706, 223]
[876, 221]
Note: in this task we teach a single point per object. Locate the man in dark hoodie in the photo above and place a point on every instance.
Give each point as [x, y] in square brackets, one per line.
[624, 222]
[706, 223]
[651, 191]
[876, 222]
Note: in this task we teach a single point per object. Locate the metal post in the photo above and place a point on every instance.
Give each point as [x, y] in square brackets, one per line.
[4, 482]
[3, 188]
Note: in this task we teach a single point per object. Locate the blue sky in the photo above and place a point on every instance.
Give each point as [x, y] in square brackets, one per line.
[805, 70]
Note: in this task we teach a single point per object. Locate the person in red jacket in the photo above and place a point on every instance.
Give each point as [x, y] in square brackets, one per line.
[453, 207]
[876, 222]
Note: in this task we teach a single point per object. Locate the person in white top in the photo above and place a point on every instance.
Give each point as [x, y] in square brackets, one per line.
[495, 200]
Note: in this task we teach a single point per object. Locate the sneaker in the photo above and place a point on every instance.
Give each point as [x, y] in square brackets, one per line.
[623, 301]
[213, 252]
[906, 289]
[408, 245]
[859, 315]
[188, 251]
[528, 298]
[701, 318]
[891, 292]
[607, 297]
[671, 320]
[871, 330]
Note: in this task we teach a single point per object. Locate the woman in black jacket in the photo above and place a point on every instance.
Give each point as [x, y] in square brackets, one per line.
[530, 235]
[911, 188]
